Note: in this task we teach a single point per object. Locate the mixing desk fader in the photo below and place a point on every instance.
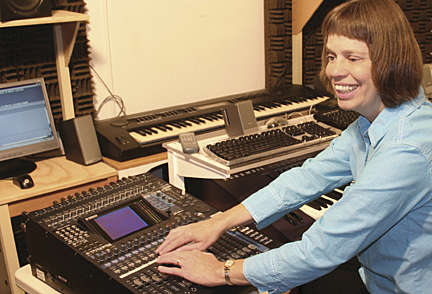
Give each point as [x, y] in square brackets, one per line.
[104, 240]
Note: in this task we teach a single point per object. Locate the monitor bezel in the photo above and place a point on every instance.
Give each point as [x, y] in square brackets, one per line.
[36, 148]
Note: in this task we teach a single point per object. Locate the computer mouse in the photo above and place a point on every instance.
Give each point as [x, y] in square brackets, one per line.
[24, 181]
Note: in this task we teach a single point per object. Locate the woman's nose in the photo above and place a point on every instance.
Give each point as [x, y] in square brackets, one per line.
[337, 69]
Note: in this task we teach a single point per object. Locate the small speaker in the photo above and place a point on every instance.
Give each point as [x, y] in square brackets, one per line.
[22, 9]
[427, 79]
[240, 119]
[79, 140]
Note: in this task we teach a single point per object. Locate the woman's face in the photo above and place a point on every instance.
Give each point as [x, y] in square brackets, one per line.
[349, 70]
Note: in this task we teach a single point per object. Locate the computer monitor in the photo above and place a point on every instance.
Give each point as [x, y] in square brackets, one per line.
[26, 126]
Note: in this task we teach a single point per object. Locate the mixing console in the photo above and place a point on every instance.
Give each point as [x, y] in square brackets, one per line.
[104, 240]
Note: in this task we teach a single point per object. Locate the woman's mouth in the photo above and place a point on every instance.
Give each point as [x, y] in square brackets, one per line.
[344, 89]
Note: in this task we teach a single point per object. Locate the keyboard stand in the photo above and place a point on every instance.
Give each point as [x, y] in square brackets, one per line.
[200, 165]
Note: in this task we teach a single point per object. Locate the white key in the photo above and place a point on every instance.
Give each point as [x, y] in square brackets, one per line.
[316, 214]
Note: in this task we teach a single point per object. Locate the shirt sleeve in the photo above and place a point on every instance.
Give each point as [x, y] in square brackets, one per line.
[381, 196]
[298, 186]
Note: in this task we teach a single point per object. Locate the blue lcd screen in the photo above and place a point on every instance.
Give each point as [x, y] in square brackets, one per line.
[121, 222]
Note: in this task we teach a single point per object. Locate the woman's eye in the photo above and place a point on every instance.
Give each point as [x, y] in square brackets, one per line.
[330, 57]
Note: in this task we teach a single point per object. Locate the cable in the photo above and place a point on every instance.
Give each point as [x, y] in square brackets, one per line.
[117, 99]
[310, 108]
[287, 117]
[287, 64]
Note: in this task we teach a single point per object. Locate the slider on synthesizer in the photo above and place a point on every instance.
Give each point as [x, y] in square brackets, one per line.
[104, 240]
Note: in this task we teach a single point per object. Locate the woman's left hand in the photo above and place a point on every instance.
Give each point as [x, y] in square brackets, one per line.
[196, 266]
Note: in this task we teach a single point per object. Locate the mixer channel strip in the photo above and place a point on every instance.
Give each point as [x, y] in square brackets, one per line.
[271, 142]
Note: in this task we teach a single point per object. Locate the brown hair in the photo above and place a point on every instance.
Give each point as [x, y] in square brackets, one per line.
[395, 55]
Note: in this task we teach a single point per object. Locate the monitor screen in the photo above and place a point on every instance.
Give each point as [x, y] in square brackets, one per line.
[120, 223]
[26, 121]
[116, 222]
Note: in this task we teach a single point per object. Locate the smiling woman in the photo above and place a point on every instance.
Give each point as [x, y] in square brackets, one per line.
[349, 70]
[396, 62]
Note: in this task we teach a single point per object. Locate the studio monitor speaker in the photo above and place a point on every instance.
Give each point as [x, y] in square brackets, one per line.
[22, 9]
[79, 140]
[240, 119]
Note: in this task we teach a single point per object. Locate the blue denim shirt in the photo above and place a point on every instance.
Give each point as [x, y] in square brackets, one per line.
[384, 216]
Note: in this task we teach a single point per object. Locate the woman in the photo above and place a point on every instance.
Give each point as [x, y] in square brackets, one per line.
[372, 62]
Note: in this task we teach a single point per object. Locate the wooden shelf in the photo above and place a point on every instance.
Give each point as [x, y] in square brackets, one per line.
[58, 16]
[302, 11]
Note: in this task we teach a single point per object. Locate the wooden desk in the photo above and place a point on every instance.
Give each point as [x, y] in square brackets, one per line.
[138, 165]
[54, 178]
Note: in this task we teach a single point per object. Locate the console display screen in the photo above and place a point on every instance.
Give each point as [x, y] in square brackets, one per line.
[120, 223]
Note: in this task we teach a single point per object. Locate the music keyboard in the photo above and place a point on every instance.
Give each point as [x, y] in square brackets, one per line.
[171, 130]
[142, 134]
[318, 207]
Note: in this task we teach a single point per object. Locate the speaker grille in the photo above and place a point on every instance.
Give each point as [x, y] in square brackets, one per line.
[23, 9]
[25, 6]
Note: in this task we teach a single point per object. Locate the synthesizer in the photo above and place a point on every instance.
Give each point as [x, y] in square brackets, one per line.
[104, 240]
[142, 134]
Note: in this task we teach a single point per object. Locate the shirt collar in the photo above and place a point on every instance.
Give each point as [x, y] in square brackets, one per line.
[376, 130]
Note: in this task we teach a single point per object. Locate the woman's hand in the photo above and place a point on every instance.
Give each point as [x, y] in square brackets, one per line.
[193, 236]
[203, 234]
[199, 267]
